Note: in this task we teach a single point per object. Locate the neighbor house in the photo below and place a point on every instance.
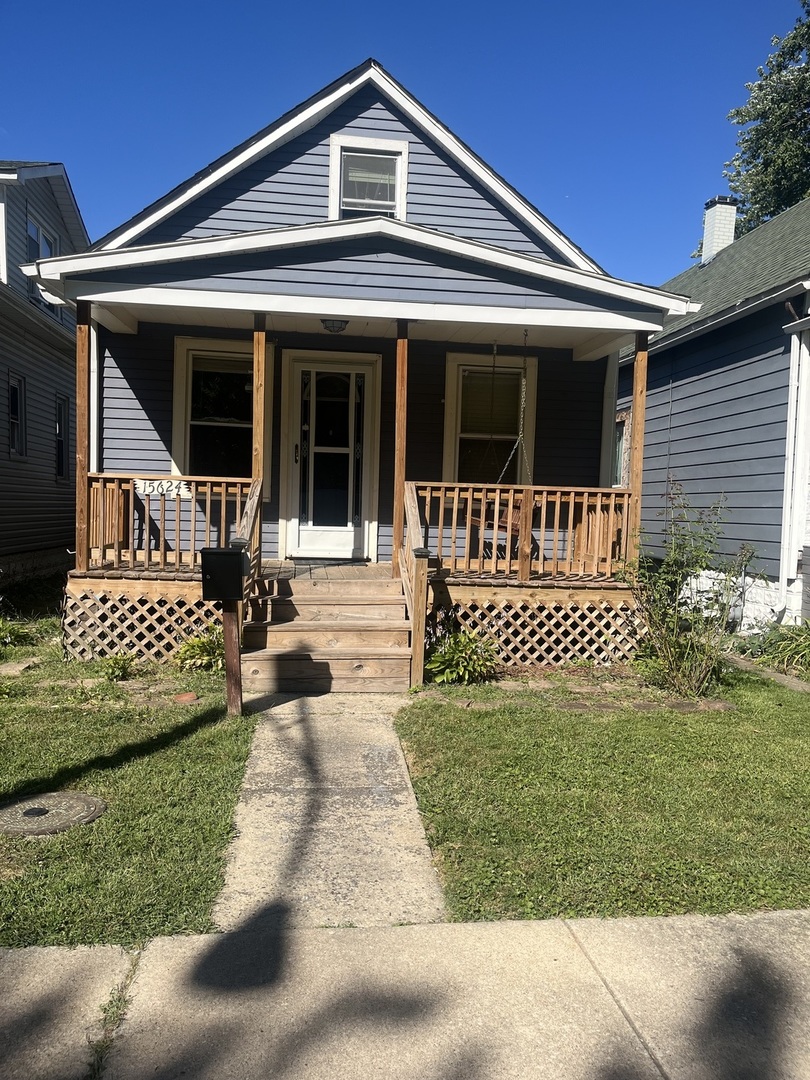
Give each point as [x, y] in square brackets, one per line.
[39, 218]
[352, 347]
[728, 402]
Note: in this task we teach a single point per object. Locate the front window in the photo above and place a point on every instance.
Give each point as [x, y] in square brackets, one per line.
[221, 417]
[367, 177]
[489, 419]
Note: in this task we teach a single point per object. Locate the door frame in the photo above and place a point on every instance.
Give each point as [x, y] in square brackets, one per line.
[291, 362]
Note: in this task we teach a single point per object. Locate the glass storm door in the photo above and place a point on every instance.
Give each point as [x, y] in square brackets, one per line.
[332, 412]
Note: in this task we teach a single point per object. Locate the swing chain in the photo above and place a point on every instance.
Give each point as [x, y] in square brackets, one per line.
[520, 441]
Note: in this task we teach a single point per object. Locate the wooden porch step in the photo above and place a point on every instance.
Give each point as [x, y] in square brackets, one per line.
[355, 631]
[354, 669]
[308, 607]
[301, 586]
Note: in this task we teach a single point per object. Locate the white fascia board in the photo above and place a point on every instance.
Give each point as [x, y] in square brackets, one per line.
[104, 294]
[3, 240]
[309, 117]
[323, 232]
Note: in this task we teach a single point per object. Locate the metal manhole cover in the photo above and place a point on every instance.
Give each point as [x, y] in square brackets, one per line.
[52, 812]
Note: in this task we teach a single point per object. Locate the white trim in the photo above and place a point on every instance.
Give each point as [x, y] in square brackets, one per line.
[185, 349]
[393, 147]
[303, 119]
[609, 402]
[454, 365]
[292, 360]
[328, 307]
[116, 320]
[3, 238]
[797, 451]
[53, 270]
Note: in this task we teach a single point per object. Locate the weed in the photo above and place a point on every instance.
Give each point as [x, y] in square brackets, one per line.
[206, 652]
[785, 648]
[686, 599]
[118, 668]
[13, 633]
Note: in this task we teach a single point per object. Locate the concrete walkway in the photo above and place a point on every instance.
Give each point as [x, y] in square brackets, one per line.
[328, 835]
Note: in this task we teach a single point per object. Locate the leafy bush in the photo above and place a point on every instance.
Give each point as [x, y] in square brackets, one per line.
[687, 598]
[462, 657]
[206, 652]
[13, 633]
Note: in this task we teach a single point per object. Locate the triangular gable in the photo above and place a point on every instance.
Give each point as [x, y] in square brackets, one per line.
[294, 124]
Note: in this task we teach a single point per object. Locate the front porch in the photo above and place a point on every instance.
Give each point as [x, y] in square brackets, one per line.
[535, 569]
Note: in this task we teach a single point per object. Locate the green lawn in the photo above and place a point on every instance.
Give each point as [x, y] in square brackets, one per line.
[589, 796]
[170, 774]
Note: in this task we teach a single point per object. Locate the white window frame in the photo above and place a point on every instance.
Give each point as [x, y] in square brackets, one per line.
[55, 242]
[185, 351]
[397, 148]
[456, 364]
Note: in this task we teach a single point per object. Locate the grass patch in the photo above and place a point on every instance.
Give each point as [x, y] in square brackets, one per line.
[170, 774]
[595, 798]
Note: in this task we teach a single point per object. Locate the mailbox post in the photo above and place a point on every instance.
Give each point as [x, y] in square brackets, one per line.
[223, 578]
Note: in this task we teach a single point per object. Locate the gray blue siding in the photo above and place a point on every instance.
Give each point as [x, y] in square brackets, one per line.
[372, 269]
[716, 423]
[290, 187]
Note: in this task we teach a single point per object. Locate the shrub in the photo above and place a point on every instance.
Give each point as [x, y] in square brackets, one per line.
[206, 652]
[13, 633]
[462, 657]
[686, 599]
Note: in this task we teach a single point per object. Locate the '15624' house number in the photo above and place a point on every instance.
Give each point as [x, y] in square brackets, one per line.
[170, 489]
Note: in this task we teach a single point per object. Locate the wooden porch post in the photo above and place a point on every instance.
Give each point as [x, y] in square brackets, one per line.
[82, 433]
[259, 377]
[400, 445]
[637, 444]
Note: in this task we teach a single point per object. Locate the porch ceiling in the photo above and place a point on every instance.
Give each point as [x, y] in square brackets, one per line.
[587, 343]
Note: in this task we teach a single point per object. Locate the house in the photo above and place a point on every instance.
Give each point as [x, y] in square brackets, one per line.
[351, 347]
[39, 218]
[728, 401]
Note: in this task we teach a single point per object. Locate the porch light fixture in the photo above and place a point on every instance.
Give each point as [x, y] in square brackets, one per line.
[334, 326]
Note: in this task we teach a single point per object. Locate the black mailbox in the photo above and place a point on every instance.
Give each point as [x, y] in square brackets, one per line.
[223, 573]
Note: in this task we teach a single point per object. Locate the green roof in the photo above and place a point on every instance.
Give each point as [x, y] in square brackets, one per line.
[760, 262]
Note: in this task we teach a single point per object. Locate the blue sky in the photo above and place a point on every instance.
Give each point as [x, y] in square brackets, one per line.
[609, 117]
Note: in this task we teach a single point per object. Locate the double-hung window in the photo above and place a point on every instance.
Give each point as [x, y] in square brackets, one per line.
[42, 244]
[62, 436]
[16, 415]
[487, 405]
[367, 177]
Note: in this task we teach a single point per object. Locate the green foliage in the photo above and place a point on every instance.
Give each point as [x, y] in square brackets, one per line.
[118, 668]
[462, 657]
[13, 633]
[686, 599]
[784, 648]
[206, 652]
[771, 170]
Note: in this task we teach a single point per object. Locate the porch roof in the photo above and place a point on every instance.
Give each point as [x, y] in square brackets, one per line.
[372, 271]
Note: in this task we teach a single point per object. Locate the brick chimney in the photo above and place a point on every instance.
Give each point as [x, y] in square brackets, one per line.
[720, 215]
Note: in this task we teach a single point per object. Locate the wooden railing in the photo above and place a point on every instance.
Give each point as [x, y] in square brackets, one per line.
[249, 535]
[158, 522]
[522, 532]
[414, 573]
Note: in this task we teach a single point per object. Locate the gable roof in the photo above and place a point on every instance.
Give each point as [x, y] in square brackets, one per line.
[18, 172]
[311, 112]
[767, 261]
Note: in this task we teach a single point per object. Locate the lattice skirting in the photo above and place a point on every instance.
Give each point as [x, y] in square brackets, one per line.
[99, 624]
[600, 630]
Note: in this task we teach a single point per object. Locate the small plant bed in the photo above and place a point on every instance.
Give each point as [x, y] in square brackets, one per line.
[169, 774]
[631, 802]
[785, 649]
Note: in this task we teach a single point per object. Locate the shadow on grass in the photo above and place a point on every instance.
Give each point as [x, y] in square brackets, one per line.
[62, 778]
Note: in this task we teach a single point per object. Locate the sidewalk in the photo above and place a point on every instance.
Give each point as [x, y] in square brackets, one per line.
[329, 835]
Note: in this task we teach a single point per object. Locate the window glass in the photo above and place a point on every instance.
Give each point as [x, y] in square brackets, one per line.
[368, 184]
[489, 422]
[62, 421]
[221, 422]
[16, 415]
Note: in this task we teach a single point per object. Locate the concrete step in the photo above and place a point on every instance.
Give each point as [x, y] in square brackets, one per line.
[356, 669]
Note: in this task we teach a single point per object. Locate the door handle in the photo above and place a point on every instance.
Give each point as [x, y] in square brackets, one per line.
[296, 453]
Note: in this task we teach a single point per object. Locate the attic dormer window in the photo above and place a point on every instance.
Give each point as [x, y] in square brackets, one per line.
[367, 177]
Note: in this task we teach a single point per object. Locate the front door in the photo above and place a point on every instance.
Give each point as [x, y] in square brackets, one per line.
[331, 457]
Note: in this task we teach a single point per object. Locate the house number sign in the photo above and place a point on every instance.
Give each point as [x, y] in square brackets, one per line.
[172, 489]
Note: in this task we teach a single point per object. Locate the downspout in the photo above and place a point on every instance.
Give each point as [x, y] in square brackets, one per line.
[795, 468]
